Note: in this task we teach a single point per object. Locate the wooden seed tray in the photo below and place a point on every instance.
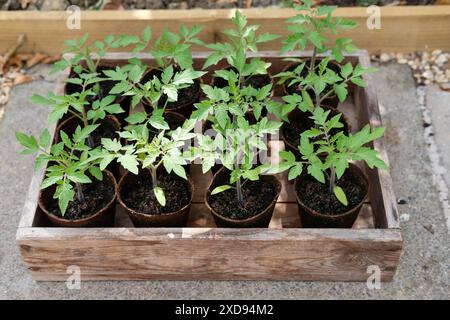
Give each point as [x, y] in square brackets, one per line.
[201, 251]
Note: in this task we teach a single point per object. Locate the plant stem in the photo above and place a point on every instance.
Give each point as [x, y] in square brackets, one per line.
[90, 141]
[154, 176]
[332, 179]
[312, 64]
[240, 194]
[80, 195]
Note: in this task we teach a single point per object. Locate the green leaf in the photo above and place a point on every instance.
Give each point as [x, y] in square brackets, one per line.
[129, 162]
[287, 155]
[65, 195]
[96, 172]
[266, 37]
[136, 118]
[159, 194]
[44, 140]
[341, 91]
[340, 195]
[79, 177]
[315, 170]
[346, 70]
[111, 145]
[170, 91]
[359, 82]
[27, 141]
[187, 76]
[213, 59]
[49, 181]
[295, 171]
[38, 99]
[147, 34]
[220, 189]
[157, 121]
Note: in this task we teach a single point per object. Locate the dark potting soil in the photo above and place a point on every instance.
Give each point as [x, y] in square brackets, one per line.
[296, 126]
[317, 196]
[185, 95]
[104, 130]
[97, 195]
[257, 196]
[140, 196]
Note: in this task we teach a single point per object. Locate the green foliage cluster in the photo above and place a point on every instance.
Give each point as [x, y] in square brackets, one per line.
[241, 115]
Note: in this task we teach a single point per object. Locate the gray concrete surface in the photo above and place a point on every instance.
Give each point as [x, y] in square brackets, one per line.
[438, 102]
[424, 265]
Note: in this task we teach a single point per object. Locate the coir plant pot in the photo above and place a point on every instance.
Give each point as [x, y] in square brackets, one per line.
[354, 182]
[131, 186]
[187, 97]
[331, 101]
[259, 220]
[299, 122]
[95, 194]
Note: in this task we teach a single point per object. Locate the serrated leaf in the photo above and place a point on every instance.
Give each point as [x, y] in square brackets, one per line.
[44, 140]
[295, 171]
[136, 118]
[359, 82]
[27, 141]
[79, 177]
[129, 162]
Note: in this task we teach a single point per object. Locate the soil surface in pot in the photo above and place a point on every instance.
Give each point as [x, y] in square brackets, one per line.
[104, 130]
[257, 194]
[295, 89]
[97, 195]
[185, 95]
[140, 197]
[316, 195]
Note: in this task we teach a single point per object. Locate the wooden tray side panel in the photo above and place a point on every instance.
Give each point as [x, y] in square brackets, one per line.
[210, 254]
[403, 29]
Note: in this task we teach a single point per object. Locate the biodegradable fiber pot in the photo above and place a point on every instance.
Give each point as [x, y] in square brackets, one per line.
[101, 218]
[311, 218]
[299, 122]
[331, 101]
[187, 97]
[260, 220]
[176, 218]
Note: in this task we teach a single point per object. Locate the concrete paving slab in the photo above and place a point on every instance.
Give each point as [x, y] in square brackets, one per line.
[424, 265]
[438, 102]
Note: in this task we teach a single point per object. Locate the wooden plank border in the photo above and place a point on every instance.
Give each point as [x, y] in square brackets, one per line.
[403, 29]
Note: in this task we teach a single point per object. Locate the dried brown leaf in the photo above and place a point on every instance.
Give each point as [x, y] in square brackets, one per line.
[22, 78]
[35, 59]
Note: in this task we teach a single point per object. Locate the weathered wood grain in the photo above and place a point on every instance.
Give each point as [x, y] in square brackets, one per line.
[403, 29]
[210, 253]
